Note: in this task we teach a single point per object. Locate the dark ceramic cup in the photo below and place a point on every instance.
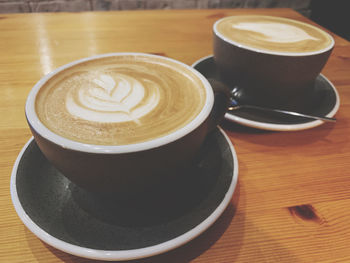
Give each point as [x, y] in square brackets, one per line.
[126, 170]
[275, 79]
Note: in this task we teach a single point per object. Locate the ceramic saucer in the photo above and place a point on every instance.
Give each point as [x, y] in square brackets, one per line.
[72, 220]
[325, 103]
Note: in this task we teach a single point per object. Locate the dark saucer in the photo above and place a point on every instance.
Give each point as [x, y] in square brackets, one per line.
[325, 102]
[72, 220]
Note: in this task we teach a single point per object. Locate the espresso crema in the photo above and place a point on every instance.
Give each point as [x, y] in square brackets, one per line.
[120, 100]
[273, 34]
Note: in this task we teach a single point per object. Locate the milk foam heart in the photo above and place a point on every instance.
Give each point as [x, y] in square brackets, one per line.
[275, 32]
[109, 100]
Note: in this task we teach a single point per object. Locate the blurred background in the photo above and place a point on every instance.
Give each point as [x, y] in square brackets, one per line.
[331, 14]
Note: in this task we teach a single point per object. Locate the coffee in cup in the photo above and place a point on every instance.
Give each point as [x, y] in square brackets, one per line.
[120, 123]
[273, 61]
[120, 100]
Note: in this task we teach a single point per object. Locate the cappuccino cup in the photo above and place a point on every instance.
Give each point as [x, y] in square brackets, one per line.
[270, 61]
[121, 123]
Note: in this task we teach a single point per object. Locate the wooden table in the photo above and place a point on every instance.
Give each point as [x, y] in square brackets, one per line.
[292, 203]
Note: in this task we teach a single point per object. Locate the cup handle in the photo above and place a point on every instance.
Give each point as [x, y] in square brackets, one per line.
[221, 103]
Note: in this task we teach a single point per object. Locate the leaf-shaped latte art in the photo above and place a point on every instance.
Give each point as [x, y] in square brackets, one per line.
[275, 32]
[110, 99]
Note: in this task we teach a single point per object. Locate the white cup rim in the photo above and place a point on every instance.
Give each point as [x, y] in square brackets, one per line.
[46, 133]
[268, 52]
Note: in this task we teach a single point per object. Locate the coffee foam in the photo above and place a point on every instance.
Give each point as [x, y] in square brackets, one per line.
[273, 34]
[108, 99]
[120, 100]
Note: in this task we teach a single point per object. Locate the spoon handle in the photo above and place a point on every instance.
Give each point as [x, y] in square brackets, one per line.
[329, 119]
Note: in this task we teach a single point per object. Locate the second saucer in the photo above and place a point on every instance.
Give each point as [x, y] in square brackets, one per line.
[325, 102]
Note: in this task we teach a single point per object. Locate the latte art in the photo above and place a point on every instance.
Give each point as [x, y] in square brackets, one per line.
[120, 100]
[268, 33]
[107, 99]
[275, 32]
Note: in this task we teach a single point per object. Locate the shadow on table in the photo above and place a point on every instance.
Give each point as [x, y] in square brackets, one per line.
[258, 244]
[319, 134]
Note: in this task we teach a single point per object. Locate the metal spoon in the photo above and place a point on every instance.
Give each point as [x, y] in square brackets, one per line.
[235, 105]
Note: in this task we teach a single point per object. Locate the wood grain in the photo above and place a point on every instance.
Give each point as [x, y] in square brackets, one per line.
[293, 199]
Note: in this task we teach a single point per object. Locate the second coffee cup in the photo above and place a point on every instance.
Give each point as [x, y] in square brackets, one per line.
[270, 61]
